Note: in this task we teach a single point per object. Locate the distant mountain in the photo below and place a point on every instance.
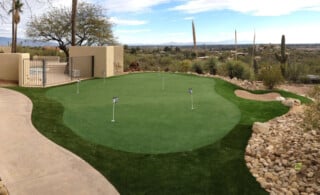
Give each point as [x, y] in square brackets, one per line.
[225, 42]
[5, 41]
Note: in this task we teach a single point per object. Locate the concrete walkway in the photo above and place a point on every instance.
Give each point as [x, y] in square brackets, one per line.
[32, 164]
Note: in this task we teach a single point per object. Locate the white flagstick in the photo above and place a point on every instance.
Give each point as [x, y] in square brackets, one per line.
[113, 113]
[104, 76]
[162, 82]
[78, 83]
[190, 92]
[192, 102]
[114, 101]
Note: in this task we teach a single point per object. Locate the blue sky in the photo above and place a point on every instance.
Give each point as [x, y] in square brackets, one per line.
[165, 21]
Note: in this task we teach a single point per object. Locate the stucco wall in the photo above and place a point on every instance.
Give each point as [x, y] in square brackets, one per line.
[110, 61]
[118, 59]
[9, 65]
[104, 58]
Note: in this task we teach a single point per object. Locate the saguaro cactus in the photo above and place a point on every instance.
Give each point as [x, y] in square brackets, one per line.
[283, 57]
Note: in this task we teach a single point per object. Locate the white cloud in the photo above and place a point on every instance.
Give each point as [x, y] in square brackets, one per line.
[132, 5]
[253, 7]
[126, 22]
[31, 8]
[133, 31]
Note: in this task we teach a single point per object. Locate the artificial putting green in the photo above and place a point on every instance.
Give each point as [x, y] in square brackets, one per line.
[218, 168]
[153, 115]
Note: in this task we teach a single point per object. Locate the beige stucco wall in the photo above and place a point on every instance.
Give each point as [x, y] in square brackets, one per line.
[110, 60]
[9, 65]
[24, 69]
[118, 60]
[104, 58]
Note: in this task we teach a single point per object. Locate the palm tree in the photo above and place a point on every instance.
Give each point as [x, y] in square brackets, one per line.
[73, 22]
[16, 10]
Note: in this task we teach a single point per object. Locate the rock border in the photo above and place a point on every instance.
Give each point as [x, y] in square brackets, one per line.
[284, 158]
[281, 155]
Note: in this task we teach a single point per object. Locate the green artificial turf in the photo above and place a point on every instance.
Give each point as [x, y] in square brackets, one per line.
[154, 114]
[217, 168]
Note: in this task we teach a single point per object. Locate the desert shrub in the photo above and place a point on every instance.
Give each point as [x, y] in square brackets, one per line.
[222, 69]
[197, 67]
[134, 66]
[236, 69]
[211, 66]
[184, 66]
[312, 116]
[271, 76]
[294, 71]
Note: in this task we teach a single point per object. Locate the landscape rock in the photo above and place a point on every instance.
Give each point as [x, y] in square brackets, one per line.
[284, 158]
[260, 127]
[290, 102]
[280, 98]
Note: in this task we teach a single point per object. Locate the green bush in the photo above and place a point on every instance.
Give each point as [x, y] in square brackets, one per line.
[271, 76]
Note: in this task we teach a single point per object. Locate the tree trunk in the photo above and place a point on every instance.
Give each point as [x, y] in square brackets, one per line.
[73, 22]
[13, 38]
[66, 51]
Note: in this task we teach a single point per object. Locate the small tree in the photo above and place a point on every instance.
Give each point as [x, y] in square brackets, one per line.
[93, 28]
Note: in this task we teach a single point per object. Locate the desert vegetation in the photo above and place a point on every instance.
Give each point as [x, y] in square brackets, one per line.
[272, 64]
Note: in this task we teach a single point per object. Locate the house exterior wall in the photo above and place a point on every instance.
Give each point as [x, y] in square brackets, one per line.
[10, 65]
[105, 58]
[118, 60]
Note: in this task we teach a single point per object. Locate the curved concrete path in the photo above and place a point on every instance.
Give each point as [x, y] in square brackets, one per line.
[32, 164]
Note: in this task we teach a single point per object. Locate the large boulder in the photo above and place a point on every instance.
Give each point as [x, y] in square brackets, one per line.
[259, 127]
[290, 102]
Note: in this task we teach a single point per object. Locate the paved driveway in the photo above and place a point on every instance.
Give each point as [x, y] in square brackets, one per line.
[32, 164]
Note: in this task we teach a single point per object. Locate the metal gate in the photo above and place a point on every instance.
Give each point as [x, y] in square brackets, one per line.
[45, 72]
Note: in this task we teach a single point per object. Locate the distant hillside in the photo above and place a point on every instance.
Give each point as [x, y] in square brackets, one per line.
[5, 41]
